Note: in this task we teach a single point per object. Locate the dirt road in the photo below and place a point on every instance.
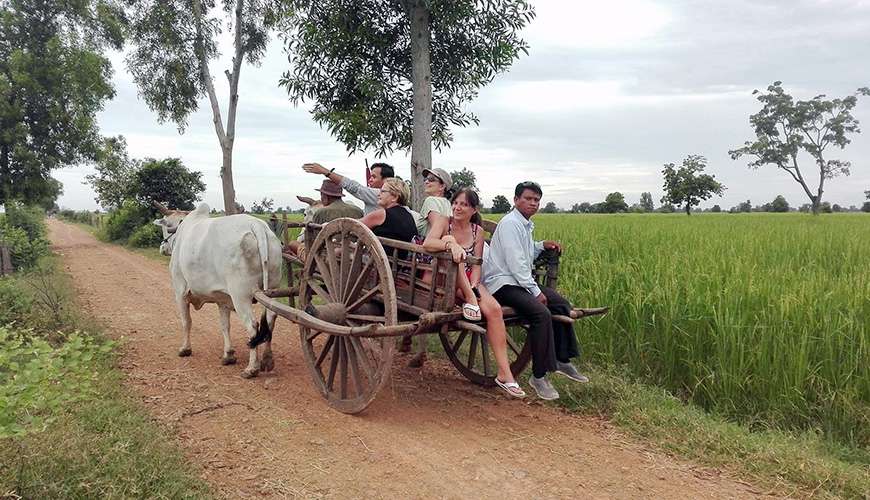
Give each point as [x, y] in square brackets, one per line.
[430, 433]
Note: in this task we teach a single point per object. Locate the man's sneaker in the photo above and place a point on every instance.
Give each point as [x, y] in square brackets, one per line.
[544, 388]
[568, 370]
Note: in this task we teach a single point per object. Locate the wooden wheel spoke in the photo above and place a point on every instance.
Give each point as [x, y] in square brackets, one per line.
[459, 341]
[344, 266]
[342, 356]
[472, 351]
[319, 291]
[512, 345]
[352, 276]
[364, 360]
[326, 274]
[334, 268]
[352, 354]
[313, 335]
[333, 364]
[367, 318]
[361, 279]
[362, 300]
[484, 347]
[325, 351]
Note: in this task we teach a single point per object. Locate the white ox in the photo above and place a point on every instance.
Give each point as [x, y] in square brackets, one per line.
[223, 260]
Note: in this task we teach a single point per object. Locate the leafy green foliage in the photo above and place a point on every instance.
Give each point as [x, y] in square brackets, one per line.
[463, 178]
[23, 231]
[112, 180]
[53, 82]
[167, 181]
[15, 306]
[785, 127]
[126, 220]
[40, 380]
[169, 44]
[500, 205]
[550, 208]
[352, 60]
[646, 202]
[613, 203]
[30, 219]
[147, 235]
[779, 204]
[687, 186]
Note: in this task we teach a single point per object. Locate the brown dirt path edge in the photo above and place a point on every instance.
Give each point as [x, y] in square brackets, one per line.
[429, 434]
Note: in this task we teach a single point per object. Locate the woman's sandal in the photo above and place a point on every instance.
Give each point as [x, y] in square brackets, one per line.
[471, 312]
[512, 388]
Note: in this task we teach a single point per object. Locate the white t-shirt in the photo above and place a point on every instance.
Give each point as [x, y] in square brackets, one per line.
[437, 204]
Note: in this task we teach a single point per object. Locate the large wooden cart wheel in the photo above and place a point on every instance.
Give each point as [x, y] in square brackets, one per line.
[471, 353]
[347, 281]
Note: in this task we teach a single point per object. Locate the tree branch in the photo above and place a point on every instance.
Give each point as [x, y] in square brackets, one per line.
[206, 75]
[238, 57]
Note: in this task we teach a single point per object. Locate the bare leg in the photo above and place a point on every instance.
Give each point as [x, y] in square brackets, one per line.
[464, 286]
[229, 357]
[496, 333]
[184, 314]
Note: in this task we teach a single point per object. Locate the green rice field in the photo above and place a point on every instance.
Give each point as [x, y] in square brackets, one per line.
[762, 318]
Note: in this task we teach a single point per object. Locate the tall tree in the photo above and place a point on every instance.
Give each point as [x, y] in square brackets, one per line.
[174, 43]
[614, 203]
[866, 206]
[687, 186]
[114, 171]
[463, 178]
[785, 127]
[167, 181]
[646, 202]
[54, 80]
[396, 74]
[500, 205]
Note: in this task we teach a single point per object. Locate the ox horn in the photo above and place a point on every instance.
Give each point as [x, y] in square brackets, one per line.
[161, 207]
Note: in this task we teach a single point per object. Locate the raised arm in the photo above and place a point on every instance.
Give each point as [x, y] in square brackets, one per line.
[316, 168]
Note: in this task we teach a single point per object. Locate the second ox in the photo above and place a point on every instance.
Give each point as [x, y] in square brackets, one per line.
[223, 261]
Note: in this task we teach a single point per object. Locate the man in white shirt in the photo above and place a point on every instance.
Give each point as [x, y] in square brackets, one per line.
[508, 276]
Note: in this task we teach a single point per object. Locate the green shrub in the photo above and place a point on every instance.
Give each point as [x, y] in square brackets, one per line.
[148, 235]
[39, 381]
[124, 221]
[15, 305]
[25, 252]
[29, 219]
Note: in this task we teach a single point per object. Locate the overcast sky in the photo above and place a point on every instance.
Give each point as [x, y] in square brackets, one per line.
[609, 92]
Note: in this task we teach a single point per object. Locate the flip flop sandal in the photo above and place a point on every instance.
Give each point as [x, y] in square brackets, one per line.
[512, 388]
[471, 312]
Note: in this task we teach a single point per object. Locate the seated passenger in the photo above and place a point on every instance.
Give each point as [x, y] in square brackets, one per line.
[436, 183]
[392, 219]
[332, 207]
[462, 235]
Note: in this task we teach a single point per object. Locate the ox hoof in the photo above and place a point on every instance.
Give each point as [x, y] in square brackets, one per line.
[185, 352]
[248, 373]
[228, 359]
[267, 364]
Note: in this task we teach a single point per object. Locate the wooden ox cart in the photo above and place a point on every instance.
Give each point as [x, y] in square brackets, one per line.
[355, 293]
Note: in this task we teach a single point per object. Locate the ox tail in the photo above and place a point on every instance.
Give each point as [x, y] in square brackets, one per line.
[264, 333]
[262, 237]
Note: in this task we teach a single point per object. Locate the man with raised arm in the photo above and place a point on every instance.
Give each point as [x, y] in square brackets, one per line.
[508, 276]
[366, 194]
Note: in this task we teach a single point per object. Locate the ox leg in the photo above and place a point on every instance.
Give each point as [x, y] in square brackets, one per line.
[229, 357]
[184, 314]
[246, 315]
[267, 362]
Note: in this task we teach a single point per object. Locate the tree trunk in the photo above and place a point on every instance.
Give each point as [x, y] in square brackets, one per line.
[227, 181]
[688, 209]
[421, 84]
